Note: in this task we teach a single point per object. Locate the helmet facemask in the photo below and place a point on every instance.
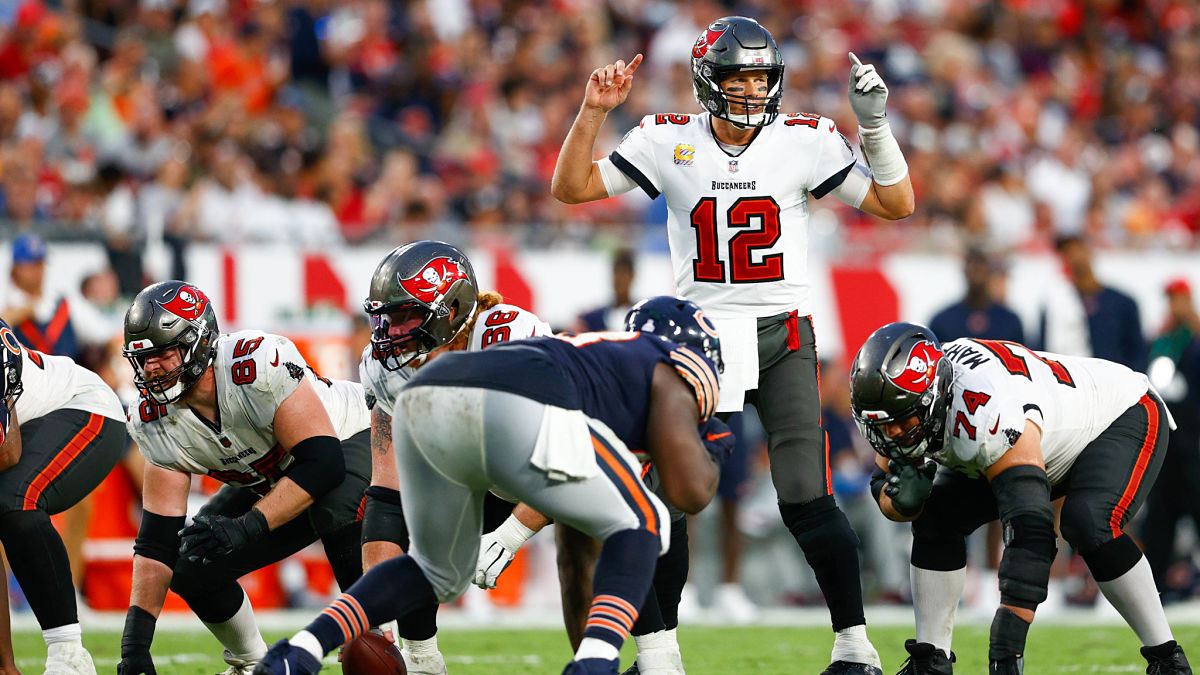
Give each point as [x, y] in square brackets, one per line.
[397, 351]
[922, 438]
[731, 45]
[171, 386]
[721, 103]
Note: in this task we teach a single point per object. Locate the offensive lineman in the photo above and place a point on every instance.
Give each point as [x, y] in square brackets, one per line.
[547, 420]
[1008, 430]
[737, 183]
[424, 302]
[244, 408]
[62, 431]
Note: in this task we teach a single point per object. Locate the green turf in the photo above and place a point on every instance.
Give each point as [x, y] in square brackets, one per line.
[707, 651]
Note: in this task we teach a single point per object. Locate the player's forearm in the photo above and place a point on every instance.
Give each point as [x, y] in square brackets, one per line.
[283, 503]
[151, 579]
[573, 170]
[897, 201]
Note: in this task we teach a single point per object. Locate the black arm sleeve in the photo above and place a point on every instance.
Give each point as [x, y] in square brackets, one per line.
[158, 538]
[319, 465]
[878, 479]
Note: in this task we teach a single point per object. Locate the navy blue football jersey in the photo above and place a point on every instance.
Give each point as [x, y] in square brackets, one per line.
[606, 375]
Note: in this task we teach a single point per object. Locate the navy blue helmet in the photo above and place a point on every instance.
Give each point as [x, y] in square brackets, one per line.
[680, 321]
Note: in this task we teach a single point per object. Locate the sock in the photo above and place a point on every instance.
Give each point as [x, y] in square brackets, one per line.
[68, 633]
[387, 591]
[650, 618]
[671, 574]
[620, 584]
[239, 633]
[592, 648]
[417, 625]
[1136, 598]
[935, 596]
[851, 645]
[309, 643]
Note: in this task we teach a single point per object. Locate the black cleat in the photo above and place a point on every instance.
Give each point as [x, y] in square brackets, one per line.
[633, 670]
[1166, 659]
[847, 668]
[925, 659]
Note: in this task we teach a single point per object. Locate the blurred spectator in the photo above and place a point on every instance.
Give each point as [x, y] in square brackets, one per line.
[122, 226]
[981, 313]
[1092, 319]
[612, 315]
[41, 319]
[1175, 372]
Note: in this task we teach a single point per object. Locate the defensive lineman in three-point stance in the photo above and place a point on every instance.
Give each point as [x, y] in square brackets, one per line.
[737, 180]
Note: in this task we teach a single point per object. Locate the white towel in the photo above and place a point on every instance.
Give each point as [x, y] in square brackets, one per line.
[739, 351]
[564, 446]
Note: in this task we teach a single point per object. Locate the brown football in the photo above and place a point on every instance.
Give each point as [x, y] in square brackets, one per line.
[372, 654]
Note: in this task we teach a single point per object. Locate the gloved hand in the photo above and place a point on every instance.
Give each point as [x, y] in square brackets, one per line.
[211, 537]
[1013, 665]
[868, 94]
[909, 486]
[497, 550]
[138, 663]
[718, 440]
[135, 643]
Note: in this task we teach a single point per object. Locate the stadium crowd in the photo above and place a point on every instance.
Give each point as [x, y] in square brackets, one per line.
[316, 122]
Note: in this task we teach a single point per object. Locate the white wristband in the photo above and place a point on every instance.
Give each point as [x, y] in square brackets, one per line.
[883, 154]
[512, 534]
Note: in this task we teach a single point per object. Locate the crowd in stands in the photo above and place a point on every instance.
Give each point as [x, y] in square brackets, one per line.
[319, 122]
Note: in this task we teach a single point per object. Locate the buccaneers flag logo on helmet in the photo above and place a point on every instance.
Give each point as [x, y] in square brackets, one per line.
[919, 368]
[189, 303]
[433, 280]
[705, 41]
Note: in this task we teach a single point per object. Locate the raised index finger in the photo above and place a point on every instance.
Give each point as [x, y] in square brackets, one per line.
[854, 59]
[633, 65]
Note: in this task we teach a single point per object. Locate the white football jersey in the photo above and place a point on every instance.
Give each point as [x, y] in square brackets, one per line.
[998, 385]
[737, 224]
[56, 382]
[500, 323]
[255, 373]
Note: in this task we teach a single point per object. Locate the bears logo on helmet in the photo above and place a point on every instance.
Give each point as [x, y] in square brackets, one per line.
[189, 303]
[920, 368]
[433, 280]
[705, 41]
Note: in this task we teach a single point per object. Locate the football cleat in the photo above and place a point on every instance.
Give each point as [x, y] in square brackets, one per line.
[663, 661]
[237, 666]
[1166, 659]
[284, 659]
[68, 658]
[592, 667]
[848, 668]
[425, 664]
[925, 659]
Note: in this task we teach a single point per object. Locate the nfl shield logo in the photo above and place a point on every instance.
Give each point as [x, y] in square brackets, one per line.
[733, 166]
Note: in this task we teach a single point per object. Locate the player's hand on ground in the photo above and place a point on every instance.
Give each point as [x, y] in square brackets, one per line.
[137, 663]
[9, 670]
[494, 558]
[868, 94]
[909, 486]
[609, 86]
[212, 537]
[718, 439]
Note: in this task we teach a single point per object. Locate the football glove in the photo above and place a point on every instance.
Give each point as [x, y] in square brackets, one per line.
[909, 486]
[138, 663]
[497, 550]
[135, 643]
[211, 537]
[718, 439]
[868, 94]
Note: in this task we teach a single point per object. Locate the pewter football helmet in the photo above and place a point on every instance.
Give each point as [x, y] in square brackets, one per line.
[170, 315]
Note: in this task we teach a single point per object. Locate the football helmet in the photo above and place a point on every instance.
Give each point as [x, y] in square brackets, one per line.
[899, 374]
[10, 364]
[170, 315]
[679, 320]
[430, 282]
[728, 45]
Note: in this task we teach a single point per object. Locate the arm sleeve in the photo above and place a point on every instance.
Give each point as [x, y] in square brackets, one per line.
[615, 182]
[834, 160]
[634, 157]
[853, 188]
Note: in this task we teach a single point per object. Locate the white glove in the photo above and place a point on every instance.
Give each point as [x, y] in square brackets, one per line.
[868, 94]
[497, 549]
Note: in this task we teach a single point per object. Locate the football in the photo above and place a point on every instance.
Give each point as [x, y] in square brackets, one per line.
[372, 654]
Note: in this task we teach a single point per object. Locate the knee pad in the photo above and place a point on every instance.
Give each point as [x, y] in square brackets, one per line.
[938, 551]
[1112, 558]
[1029, 549]
[211, 599]
[819, 527]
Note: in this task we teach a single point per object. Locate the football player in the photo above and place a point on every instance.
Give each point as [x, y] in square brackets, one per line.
[424, 302]
[244, 408]
[976, 430]
[61, 431]
[547, 420]
[737, 179]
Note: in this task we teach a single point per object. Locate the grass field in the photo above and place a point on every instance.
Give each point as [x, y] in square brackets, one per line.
[707, 650]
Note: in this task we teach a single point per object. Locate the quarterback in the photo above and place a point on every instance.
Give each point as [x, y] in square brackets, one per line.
[737, 179]
[62, 431]
[244, 408]
[977, 430]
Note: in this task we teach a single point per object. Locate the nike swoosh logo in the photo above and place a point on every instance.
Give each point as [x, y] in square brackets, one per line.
[713, 437]
[276, 361]
[287, 670]
[996, 426]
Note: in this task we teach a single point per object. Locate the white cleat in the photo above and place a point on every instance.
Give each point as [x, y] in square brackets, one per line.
[425, 664]
[665, 661]
[237, 666]
[68, 658]
[731, 602]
